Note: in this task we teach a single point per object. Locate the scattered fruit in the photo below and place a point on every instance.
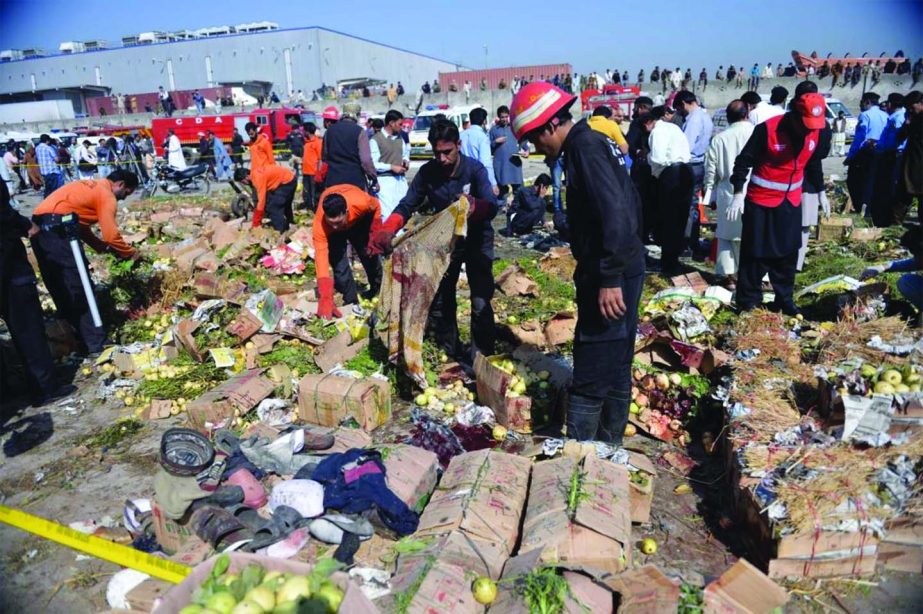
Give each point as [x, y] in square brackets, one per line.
[485, 590]
[648, 545]
[499, 432]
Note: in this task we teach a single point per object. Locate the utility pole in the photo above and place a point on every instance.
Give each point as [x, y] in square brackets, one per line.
[485, 56]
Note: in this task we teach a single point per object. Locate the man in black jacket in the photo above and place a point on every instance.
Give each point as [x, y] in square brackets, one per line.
[20, 307]
[528, 208]
[604, 216]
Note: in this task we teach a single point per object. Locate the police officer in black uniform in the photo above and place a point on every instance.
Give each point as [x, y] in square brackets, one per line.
[20, 306]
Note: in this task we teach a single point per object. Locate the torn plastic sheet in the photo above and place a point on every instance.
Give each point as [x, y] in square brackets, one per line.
[275, 412]
[205, 309]
[688, 323]
[901, 346]
[900, 480]
[267, 308]
[285, 259]
[473, 415]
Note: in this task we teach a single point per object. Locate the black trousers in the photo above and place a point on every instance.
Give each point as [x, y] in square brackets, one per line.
[770, 241]
[343, 280]
[59, 272]
[308, 195]
[645, 184]
[279, 205]
[443, 314]
[21, 309]
[508, 189]
[600, 391]
[674, 193]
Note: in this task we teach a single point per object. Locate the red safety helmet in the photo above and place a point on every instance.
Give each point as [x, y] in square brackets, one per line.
[331, 113]
[535, 104]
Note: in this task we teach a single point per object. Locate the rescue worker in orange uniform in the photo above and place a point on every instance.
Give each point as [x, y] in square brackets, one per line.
[93, 201]
[275, 190]
[346, 214]
[777, 151]
[260, 148]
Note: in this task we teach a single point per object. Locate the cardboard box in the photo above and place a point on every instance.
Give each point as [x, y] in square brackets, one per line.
[354, 601]
[242, 392]
[184, 332]
[328, 400]
[337, 350]
[444, 588]
[561, 328]
[173, 535]
[645, 590]
[902, 547]
[596, 536]
[412, 473]
[834, 228]
[492, 386]
[244, 326]
[641, 496]
[480, 499]
[586, 595]
[145, 595]
[513, 281]
[744, 588]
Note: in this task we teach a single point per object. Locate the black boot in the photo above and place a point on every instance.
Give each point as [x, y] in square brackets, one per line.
[583, 417]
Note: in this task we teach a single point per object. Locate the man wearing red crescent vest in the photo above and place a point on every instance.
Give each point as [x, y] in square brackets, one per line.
[777, 152]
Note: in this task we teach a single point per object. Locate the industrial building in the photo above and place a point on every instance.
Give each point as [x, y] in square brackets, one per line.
[258, 57]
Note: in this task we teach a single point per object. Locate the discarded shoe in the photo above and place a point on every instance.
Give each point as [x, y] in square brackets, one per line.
[332, 527]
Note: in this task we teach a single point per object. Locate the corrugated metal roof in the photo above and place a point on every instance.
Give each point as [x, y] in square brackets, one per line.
[493, 75]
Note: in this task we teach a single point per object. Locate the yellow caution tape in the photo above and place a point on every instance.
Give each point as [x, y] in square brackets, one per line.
[96, 547]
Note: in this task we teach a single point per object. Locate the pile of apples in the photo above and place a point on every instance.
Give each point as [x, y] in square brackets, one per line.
[524, 379]
[659, 401]
[869, 379]
[451, 399]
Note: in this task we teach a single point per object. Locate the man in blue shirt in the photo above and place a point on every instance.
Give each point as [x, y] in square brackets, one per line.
[890, 202]
[440, 182]
[698, 128]
[861, 156]
[506, 151]
[47, 157]
[476, 144]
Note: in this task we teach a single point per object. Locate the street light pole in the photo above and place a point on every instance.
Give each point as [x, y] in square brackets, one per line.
[485, 56]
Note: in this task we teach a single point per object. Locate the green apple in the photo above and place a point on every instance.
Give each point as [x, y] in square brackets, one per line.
[884, 388]
[892, 376]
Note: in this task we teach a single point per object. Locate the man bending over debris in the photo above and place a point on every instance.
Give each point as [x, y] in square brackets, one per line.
[528, 208]
[604, 216]
[275, 190]
[92, 201]
[346, 214]
[442, 181]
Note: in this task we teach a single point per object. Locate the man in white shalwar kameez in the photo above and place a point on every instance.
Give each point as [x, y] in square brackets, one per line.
[391, 155]
[719, 164]
[175, 152]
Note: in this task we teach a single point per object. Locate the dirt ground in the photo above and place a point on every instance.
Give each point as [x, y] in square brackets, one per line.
[52, 467]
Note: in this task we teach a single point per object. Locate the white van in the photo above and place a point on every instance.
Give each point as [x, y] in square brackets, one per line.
[419, 145]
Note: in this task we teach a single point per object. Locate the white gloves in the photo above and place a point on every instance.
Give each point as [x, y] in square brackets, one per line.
[873, 271]
[737, 208]
[824, 204]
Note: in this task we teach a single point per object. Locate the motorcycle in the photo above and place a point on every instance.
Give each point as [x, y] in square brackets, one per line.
[191, 180]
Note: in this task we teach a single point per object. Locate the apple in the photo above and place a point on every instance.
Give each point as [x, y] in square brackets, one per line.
[634, 408]
[902, 388]
[641, 400]
[868, 371]
[662, 381]
[884, 388]
[891, 376]
[630, 430]
[634, 392]
[647, 382]
[913, 378]
[676, 379]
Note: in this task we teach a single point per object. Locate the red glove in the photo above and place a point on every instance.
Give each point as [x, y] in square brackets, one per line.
[380, 239]
[257, 217]
[325, 306]
[479, 209]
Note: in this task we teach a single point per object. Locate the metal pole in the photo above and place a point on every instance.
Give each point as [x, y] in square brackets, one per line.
[85, 281]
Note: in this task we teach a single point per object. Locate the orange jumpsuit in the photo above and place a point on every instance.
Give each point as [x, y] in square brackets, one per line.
[93, 201]
[261, 152]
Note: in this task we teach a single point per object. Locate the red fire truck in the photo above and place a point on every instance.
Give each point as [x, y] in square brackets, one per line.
[610, 96]
[272, 122]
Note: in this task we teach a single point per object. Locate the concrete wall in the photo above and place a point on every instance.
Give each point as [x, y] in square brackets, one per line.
[715, 97]
[294, 59]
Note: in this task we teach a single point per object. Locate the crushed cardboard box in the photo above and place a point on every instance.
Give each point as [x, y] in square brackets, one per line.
[240, 393]
[411, 472]
[596, 536]
[478, 503]
[513, 281]
[744, 588]
[645, 590]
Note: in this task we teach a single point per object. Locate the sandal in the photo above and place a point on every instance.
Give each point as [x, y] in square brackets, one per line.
[223, 497]
[219, 528]
[332, 527]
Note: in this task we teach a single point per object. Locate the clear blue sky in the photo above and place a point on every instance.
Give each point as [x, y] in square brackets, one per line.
[591, 35]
